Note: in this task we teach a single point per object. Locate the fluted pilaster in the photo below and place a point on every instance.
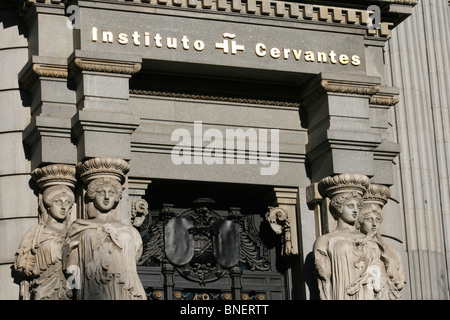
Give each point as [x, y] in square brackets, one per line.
[418, 62]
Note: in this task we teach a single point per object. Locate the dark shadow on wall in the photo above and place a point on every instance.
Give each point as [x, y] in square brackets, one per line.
[310, 277]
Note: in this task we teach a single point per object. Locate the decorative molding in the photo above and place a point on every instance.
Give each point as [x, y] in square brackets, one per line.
[100, 65]
[290, 11]
[348, 87]
[377, 194]
[339, 87]
[55, 174]
[404, 2]
[240, 100]
[37, 70]
[103, 167]
[341, 183]
[384, 99]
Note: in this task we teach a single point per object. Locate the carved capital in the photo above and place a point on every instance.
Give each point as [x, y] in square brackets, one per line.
[341, 183]
[100, 65]
[55, 174]
[37, 70]
[377, 194]
[385, 98]
[339, 87]
[103, 168]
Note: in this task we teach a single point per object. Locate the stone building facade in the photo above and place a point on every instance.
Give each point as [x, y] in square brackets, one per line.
[236, 109]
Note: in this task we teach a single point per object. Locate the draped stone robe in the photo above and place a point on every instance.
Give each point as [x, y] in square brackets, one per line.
[106, 254]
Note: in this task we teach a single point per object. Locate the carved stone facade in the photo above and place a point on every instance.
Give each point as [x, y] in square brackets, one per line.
[224, 149]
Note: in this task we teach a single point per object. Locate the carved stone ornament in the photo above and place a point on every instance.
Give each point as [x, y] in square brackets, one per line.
[37, 70]
[100, 65]
[55, 174]
[352, 262]
[103, 168]
[38, 261]
[377, 194]
[280, 223]
[103, 250]
[139, 211]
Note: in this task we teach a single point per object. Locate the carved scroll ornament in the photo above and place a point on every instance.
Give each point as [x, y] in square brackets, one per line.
[280, 223]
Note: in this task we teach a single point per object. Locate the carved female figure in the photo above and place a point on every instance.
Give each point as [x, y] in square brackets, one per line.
[39, 258]
[104, 249]
[372, 284]
[338, 253]
[383, 265]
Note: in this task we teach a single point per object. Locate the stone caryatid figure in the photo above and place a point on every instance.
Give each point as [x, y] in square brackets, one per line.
[39, 258]
[338, 254]
[383, 267]
[103, 249]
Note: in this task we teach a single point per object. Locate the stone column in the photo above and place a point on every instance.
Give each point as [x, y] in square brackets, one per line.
[103, 123]
[417, 62]
[48, 134]
[44, 77]
[337, 115]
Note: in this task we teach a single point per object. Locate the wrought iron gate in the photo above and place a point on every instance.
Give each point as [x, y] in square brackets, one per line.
[202, 254]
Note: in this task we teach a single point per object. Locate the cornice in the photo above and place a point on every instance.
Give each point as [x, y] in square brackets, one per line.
[330, 12]
[384, 100]
[37, 70]
[193, 96]
[339, 87]
[100, 65]
[386, 97]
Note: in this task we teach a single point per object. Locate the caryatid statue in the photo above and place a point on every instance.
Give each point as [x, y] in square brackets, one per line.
[384, 262]
[103, 249]
[337, 254]
[39, 258]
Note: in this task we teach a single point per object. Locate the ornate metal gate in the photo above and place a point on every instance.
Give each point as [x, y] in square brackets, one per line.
[199, 253]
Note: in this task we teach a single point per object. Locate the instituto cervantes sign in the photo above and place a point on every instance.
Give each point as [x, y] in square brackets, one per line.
[222, 41]
[228, 45]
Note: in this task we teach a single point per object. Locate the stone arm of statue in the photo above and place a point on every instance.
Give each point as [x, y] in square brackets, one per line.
[138, 244]
[394, 267]
[323, 270]
[25, 259]
[70, 254]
